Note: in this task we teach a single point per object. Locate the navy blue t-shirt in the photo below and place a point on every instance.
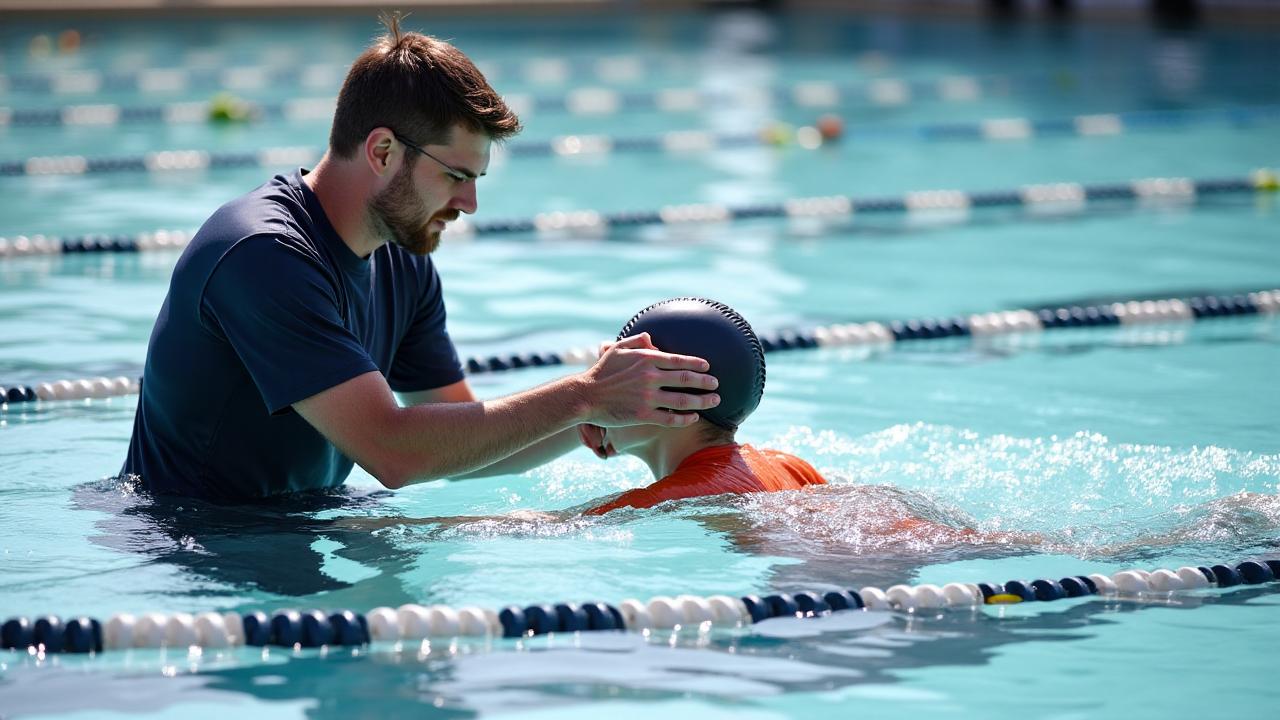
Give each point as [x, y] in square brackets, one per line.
[268, 306]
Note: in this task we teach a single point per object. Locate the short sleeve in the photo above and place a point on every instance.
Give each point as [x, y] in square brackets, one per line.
[426, 358]
[279, 308]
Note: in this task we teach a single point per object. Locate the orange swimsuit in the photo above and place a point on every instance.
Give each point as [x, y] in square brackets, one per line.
[721, 469]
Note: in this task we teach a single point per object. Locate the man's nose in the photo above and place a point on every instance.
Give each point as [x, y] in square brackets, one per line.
[465, 198]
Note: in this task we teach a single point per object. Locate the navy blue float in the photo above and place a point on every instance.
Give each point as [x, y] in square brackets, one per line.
[1226, 575]
[1021, 589]
[513, 622]
[83, 635]
[781, 605]
[347, 628]
[286, 628]
[572, 618]
[1254, 572]
[810, 604]
[599, 617]
[1073, 587]
[17, 633]
[842, 600]
[316, 630]
[541, 619]
[257, 628]
[1048, 590]
[989, 589]
[49, 632]
[756, 608]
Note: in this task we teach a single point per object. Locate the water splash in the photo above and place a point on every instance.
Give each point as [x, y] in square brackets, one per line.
[1000, 476]
[1083, 493]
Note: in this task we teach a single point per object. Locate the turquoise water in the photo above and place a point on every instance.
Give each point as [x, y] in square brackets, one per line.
[1115, 449]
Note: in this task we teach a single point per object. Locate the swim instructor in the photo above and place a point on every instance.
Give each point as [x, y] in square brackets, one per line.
[299, 309]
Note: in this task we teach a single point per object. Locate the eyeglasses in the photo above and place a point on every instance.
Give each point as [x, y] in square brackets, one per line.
[456, 174]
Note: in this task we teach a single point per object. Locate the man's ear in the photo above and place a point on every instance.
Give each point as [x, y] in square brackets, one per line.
[380, 151]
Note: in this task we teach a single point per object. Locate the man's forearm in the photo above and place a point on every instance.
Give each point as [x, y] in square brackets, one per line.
[631, 383]
[539, 453]
[401, 445]
[509, 434]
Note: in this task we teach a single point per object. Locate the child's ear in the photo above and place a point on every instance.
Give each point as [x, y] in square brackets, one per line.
[593, 437]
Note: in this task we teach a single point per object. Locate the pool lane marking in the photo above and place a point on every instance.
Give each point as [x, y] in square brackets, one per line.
[676, 142]
[324, 76]
[870, 336]
[925, 206]
[47, 634]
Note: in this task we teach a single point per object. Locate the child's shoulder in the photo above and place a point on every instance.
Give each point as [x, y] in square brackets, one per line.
[798, 467]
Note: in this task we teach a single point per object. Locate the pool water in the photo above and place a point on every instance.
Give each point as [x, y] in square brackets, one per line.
[1099, 449]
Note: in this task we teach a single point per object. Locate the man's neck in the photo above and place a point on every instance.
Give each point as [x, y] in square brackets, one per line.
[344, 195]
[664, 455]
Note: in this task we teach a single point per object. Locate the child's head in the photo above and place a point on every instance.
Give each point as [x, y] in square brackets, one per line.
[716, 333]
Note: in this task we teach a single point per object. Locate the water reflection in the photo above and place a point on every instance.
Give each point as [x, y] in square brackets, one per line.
[283, 547]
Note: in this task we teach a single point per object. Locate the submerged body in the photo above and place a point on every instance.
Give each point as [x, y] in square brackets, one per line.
[730, 468]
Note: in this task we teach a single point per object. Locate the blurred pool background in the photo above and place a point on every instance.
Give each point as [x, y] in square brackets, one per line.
[1148, 448]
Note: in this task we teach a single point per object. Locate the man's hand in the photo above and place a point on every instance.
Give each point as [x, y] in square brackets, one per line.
[634, 384]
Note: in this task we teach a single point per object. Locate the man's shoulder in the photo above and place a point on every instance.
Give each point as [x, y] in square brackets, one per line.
[268, 222]
[273, 208]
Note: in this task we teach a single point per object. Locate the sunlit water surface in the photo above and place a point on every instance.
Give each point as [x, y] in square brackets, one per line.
[1081, 451]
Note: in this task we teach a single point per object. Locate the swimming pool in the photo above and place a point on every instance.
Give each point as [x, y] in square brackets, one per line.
[1138, 447]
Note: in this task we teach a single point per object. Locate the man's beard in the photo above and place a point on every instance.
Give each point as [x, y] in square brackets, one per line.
[395, 213]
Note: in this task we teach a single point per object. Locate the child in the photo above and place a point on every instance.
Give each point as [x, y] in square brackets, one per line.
[703, 458]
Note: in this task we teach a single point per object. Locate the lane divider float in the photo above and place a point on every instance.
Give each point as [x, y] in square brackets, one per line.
[873, 335]
[214, 75]
[1055, 198]
[584, 100]
[827, 129]
[44, 634]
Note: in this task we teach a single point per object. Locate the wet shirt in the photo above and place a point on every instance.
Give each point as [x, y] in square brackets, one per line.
[268, 306]
[721, 469]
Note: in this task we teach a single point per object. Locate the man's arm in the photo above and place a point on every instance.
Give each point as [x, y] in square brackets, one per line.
[535, 455]
[630, 384]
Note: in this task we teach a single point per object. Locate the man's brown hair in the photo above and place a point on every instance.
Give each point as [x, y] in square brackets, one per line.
[421, 88]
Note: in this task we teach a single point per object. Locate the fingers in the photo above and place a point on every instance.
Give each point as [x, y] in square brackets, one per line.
[667, 361]
[669, 418]
[659, 359]
[682, 371]
[636, 342]
[683, 401]
[687, 379]
[634, 383]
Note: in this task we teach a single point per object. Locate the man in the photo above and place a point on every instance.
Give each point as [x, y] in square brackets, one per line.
[702, 459]
[300, 307]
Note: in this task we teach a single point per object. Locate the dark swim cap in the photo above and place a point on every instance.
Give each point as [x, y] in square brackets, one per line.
[716, 333]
